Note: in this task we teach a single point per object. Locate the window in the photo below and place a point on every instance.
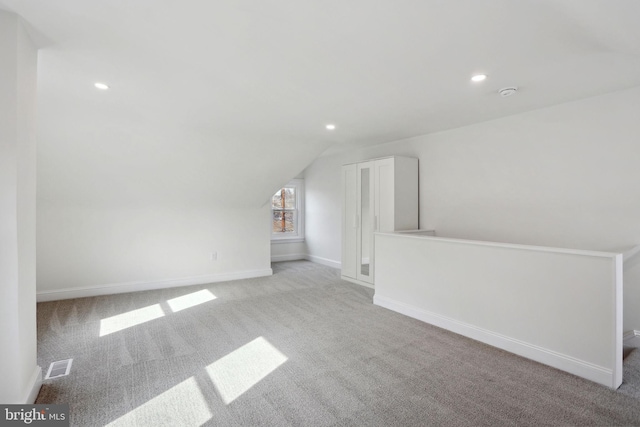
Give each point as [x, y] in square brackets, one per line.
[287, 213]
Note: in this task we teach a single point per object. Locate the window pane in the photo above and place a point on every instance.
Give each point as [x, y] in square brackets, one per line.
[284, 198]
[277, 201]
[283, 222]
[290, 198]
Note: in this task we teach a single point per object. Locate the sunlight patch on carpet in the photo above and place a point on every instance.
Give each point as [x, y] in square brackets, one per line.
[190, 300]
[181, 405]
[243, 368]
[129, 319]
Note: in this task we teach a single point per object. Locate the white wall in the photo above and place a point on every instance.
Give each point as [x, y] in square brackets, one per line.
[282, 251]
[556, 306]
[564, 176]
[20, 374]
[323, 208]
[127, 248]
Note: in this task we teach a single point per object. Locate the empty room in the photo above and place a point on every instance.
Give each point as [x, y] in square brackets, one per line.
[319, 213]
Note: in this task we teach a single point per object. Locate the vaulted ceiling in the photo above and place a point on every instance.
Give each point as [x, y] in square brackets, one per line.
[227, 100]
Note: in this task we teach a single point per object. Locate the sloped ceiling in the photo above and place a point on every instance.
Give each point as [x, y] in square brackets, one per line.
[227, 100]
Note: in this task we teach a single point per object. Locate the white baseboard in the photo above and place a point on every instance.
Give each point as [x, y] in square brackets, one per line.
[357, 282]
[119, 288]
[324, 261]
[581, 368]
[35, 384]
[312, 258]
[288, 257]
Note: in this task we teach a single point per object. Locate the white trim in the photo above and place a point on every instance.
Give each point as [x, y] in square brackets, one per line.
[119, 288]
[417, 232]
[560, 361]
[617, 341]
[288, 240]
[288, 257]
[296, 257]
[324, 261]
[36, 383]
[600, 254]
[357, 282]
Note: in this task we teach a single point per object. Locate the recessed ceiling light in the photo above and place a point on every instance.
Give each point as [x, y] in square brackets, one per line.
[330, 127]
[101, 86]
[478, 77]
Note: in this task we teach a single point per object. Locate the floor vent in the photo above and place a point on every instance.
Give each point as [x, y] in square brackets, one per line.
[58, 369]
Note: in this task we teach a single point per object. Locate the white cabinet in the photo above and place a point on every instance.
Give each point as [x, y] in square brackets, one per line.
[377, 195]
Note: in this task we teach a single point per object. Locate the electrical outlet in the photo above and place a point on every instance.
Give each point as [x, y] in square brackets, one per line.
[214, 256]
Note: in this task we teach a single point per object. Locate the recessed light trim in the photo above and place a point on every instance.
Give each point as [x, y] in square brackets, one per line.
[330, 126]
[479, 78]
[101, 86]
[508, 91]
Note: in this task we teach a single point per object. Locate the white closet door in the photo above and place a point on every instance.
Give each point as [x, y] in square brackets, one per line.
[384, 196]
[366, 216]
[350, 221]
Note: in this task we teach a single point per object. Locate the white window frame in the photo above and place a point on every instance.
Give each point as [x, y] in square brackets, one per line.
[298, 217]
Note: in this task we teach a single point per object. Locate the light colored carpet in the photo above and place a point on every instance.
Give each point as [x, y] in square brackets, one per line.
[299, 348]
